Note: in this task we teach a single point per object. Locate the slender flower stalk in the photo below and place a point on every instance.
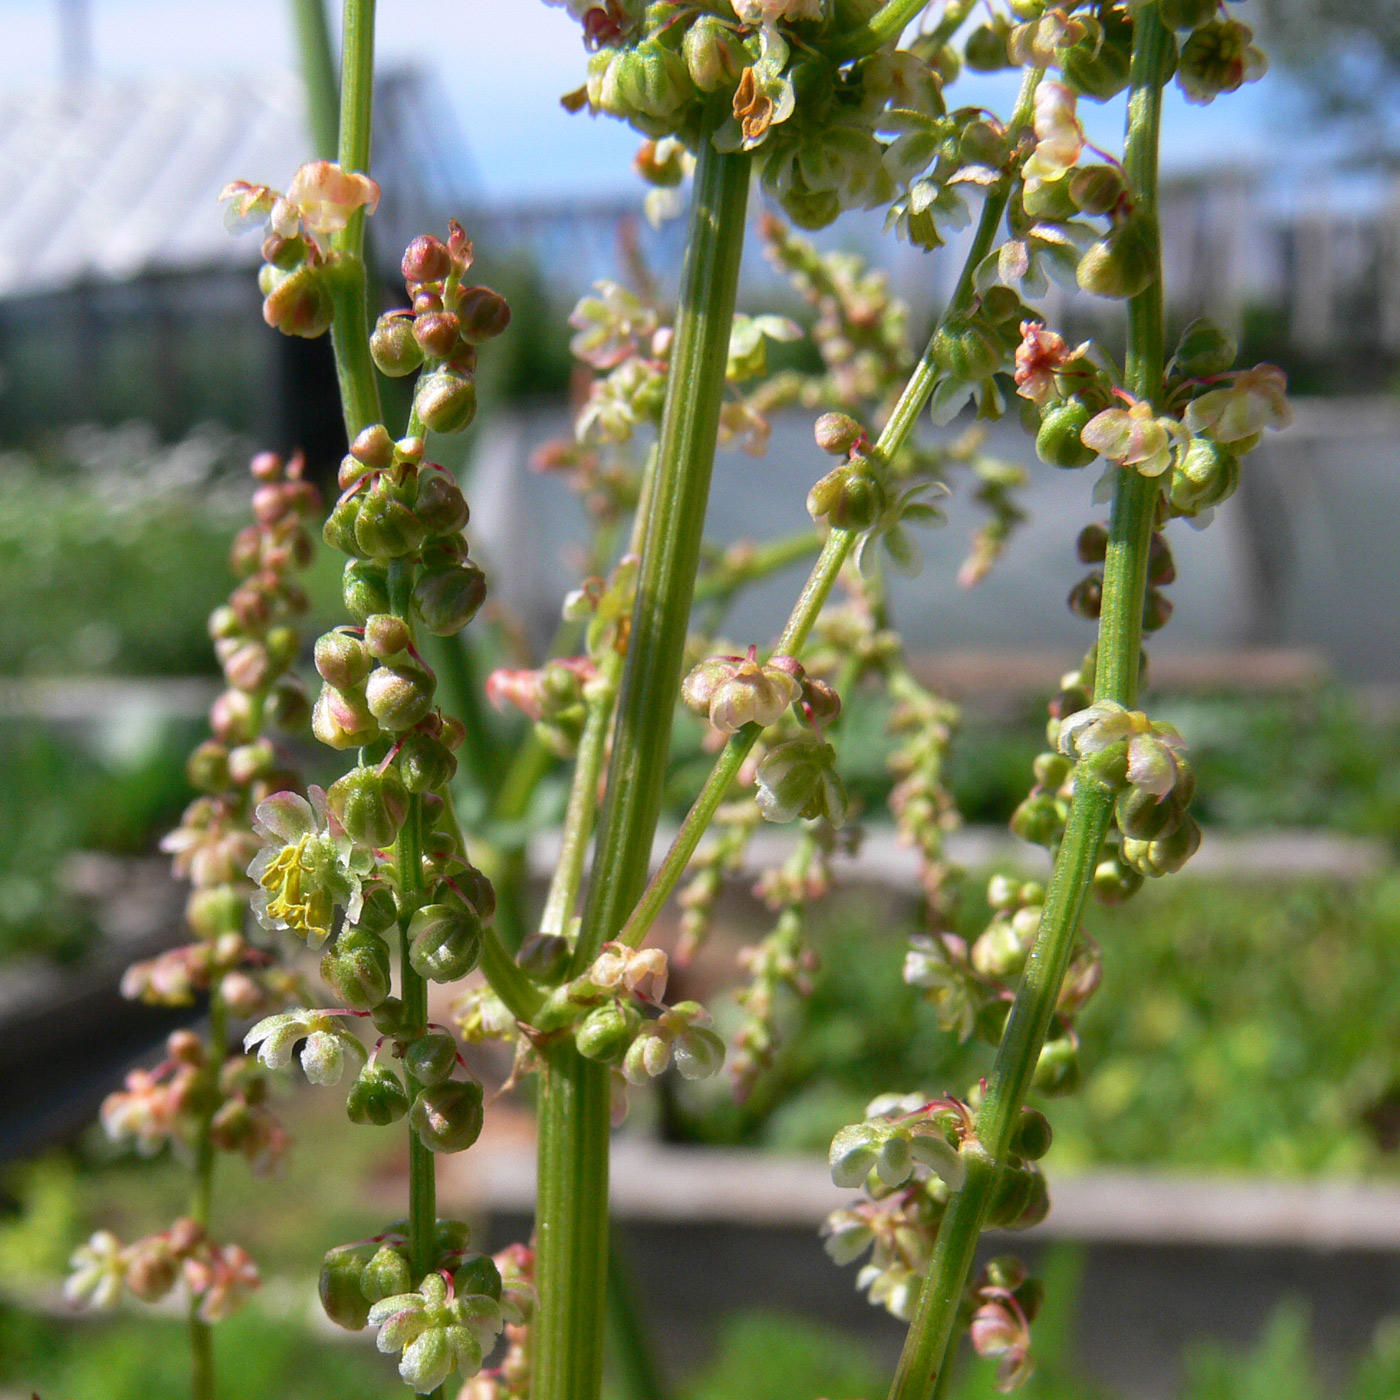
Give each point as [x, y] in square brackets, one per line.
[926, 1349]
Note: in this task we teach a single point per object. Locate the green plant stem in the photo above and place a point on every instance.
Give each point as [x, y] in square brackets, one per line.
[825, 572]
[319, 76]
[1091, 811]
[481, 753]
[349, 284]
[720, 584]
[886, 24]
[571, 1220]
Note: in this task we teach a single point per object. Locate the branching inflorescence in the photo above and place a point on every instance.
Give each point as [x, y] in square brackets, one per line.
[831, 107]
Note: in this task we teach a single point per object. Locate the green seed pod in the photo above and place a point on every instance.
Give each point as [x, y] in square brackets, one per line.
[811, 209]
[357, 968]
[370, 805]
[1002, 305]
[714, 54]
[447, 599]
[606, 1032]
[651, 80]
[431, 1058]
[1157, 610]
[966, 350]
[484, 314]
[364, 588]
[376, 1097]
[387, 1274]
[385, 527]
[1143, 817]
[1206, 474]
[437, 332]
[850, 497]
[1032, 1136]
[207, 767]
[342, 660]
[386, 636]
[478, 1275]
[477, 890]
[1051, 770]
[837, 433]
[399, 696]
[445, 400]
[1123, 262]
[1203, 350]
[214, 910]
[394, 347]
[451, 1237]
[339, 529]
[390, 1017]
[341, 720]
[1013, 1193]
[440, 507]
[1057, 1070]
[424, 763]
[447, 1117]
[299, 303]
[339, 1285]
[998, 952]
[1086, 597]
[1058, 442]
[1092, 544]
[444, 941]
[1037, 820]
[985, 51]
[1096, 189]
[379, 912]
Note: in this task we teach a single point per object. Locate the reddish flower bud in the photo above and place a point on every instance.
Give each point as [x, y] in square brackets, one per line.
[299, 303]
[436, 333]
[394, 346]
[426, 259]
[484, 314]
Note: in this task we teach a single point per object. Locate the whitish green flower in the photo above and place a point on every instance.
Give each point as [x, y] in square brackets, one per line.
[437, 1331]
[1153, 747]
[1253, 400]
[99, 1270]
[1134, 437]
[327, 1043]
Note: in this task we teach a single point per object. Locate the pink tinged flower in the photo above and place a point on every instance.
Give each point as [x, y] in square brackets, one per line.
[221, 1281]
[999, 1330]
[641, 971]
[518, 688]
[1153, 763]
[246, 206]
[1134, 437]
[1039, 357]
[98, 1271]
[327, 196]
[1253, 400]
[766, 12]
[1059, 136]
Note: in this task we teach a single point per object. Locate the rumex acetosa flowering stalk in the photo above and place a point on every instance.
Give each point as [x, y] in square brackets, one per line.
[203, 1099]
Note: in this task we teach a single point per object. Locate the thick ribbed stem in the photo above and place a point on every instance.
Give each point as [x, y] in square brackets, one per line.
[1091, 811]
[571, 1219]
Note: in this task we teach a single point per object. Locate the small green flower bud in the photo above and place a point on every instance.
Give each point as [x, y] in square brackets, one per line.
[1092, 544]
[1156, 610]
[853, 1152]
[1123, 262]
[447, 599]
[1051, 769]
[207, 767]
[215, 910]
[424, 763]
[478, 892]
[1206, 474]
[1052, 200]
[799, 779]
[357, 968]
[544, 956]
[385, 527]
[837, 433]
[1013, 1193]
[1057, 1070]
[1032, 1137]
[342, 660]
[1003, 892]
[431, 1058]
[1037, 820]
[373, 447]
[477, 1276]
[1096, 189]
[1168, 854]
[339, 529]
[966, 350]
[370, 805]
[390, 1017]
[1001, 304]
[399, 696]
[386, 635]
[426, 259]
[376, 1097]
[341, 720]
[441, 508]
[1145, 817]
[339, 1285]
[445, 400]
[1203, 350]
[850, 497]
[436, 333]
[714, 54]
[606, 1032]
[985, 51]
[452, 1238]
[394, 346]
[299, 303]
[998, 951]
[1098, 67]
[1115, 881]
[386, 1274]
[484, 313]
[649, 80]
[447, 1117]
[364, 588]
[444, 941]
[1058, 443]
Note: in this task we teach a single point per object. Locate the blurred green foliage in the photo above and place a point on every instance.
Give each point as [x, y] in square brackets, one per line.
[1231, 1032]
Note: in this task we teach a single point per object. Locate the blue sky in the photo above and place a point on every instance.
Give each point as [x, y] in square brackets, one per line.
[503, 64]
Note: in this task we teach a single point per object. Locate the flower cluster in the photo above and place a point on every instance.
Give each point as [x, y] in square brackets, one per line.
[218, 1277]
[510, 1380]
